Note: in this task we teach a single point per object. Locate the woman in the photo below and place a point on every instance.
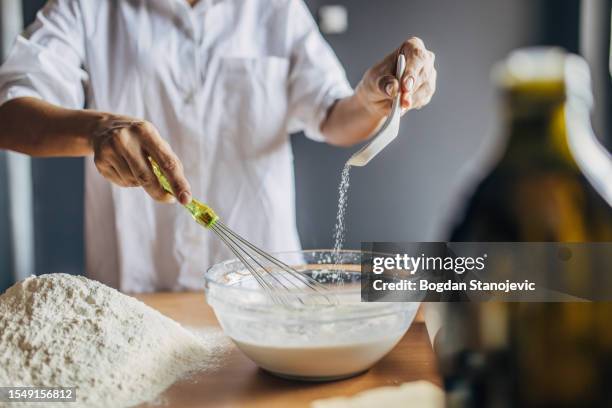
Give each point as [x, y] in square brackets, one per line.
[211, 90]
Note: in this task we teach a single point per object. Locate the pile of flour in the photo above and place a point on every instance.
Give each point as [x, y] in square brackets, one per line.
[62, 330]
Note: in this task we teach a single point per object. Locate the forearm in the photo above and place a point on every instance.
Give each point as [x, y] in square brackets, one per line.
[121, 145]
[38, 128]
[349, 122]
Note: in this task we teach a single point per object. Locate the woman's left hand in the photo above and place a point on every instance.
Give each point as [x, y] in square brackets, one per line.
[418, 84]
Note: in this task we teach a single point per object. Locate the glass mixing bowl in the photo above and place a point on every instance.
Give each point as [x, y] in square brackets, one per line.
[316, 341]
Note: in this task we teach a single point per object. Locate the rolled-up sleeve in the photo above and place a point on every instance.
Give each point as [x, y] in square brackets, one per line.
[46, 62]
[317, 78]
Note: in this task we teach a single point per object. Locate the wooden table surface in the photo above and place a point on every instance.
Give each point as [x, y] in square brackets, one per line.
[239, 383]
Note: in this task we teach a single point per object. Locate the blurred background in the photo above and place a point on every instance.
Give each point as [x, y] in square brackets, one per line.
[411, 188]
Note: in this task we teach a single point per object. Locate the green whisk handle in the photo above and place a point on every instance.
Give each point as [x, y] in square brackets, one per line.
[202, 213]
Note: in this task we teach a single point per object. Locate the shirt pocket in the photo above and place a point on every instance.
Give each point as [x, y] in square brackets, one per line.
[253, 92]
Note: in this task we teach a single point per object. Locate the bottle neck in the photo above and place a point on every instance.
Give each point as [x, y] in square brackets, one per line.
[536, 136]
[534, 128]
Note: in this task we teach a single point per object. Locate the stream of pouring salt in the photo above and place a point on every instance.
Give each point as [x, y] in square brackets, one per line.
[340, 227]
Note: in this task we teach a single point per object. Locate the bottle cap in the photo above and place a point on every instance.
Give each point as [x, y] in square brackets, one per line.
[537, 64]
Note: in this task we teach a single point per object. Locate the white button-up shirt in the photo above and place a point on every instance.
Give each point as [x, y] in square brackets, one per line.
[224, 82]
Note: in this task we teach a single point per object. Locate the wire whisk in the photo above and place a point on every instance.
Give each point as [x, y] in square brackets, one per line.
[282, 283]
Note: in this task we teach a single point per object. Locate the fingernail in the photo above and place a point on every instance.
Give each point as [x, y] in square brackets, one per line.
[409, 82]
[184, 197]
[406, 101]
[389, 89]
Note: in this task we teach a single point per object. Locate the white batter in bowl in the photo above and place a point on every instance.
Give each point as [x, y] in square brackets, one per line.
[316, 341]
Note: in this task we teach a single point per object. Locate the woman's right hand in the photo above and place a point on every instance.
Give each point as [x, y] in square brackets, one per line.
[121, 144]
[121, 148]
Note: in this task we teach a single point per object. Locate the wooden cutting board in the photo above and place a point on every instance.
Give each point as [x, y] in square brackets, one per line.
[239, 383]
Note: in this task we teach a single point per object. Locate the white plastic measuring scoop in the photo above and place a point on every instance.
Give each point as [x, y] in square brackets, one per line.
[389, 129]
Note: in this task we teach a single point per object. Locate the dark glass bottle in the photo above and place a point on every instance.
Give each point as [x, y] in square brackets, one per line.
[550, 184]
[538, 190]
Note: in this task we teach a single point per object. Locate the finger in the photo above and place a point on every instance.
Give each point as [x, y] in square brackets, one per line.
[426, 91]
[123, 171]
[108, 172]
[426, 74]
[170, 165]
[152, 185]
[388, 86]
[408, 99]
[406, 102]
[118, 178]
[428, 69]
[422, 96]
[172, 168]
[104, 155]
[416, 58]
[143, 174]
[411, 78]
[141, 169]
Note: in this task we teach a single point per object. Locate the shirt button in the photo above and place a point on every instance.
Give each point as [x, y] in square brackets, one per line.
[189, 98]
